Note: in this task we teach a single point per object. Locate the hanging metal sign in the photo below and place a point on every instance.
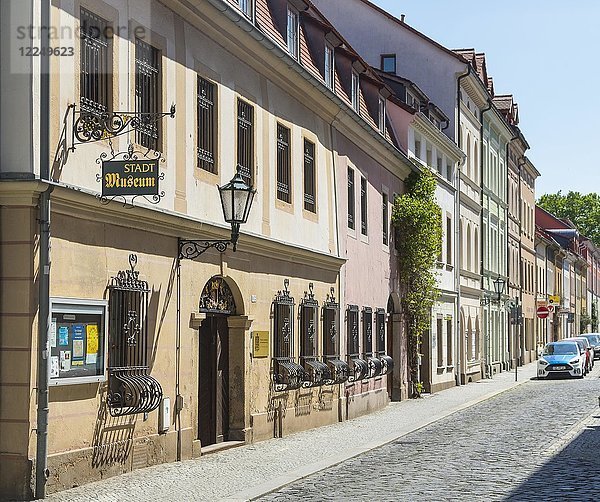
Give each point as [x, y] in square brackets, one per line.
[130, 177]
[131, 174]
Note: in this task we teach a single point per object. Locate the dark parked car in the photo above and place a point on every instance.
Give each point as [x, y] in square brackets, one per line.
[594, 339]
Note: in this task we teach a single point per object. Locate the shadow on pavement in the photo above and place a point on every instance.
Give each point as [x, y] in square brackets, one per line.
[572, 474]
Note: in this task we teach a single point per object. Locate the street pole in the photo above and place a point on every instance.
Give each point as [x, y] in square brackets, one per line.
[517, 319]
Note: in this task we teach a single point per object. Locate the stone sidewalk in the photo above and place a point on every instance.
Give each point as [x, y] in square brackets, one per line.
[247, 472]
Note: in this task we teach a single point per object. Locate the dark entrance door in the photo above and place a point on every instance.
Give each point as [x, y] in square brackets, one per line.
[213, 381]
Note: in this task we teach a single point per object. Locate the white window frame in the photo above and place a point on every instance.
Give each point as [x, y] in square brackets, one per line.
[355, 91]
[329, 66]
[82, 306]
[381, 114]
[293, 28]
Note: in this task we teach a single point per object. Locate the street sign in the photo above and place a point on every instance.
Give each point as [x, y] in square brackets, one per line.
[550, 309]
[542, 312]
[554, 300]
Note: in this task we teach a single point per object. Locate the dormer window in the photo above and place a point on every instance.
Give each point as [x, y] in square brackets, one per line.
[388, 63]
[355, 91]
[246, 7]
[292, 31]
[411, 100]
[329, 66]
[381, 115]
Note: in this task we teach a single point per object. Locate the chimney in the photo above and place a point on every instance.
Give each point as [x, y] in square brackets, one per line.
[402, 16]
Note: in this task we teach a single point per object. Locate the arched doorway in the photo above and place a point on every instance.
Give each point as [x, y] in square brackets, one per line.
[214, 394]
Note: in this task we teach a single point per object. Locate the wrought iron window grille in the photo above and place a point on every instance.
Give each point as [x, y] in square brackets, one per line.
[131, 389]
[374, 363]
[359, 368]
[387, 363]
[287, 374]
[339, 370]
[317, 372]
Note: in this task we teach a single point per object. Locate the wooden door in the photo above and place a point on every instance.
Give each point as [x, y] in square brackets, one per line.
[213, 381]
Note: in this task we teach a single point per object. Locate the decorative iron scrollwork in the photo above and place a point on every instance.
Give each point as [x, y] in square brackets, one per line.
[287, 375]
[387, 364]
[95, 125]
[130, 154]
[359, 369]
[132, 391]
[375, 367]
[191, 249]
[339, 371]
[217, 297]
[316, 373]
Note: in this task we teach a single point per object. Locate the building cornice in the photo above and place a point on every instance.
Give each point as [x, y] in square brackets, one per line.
[424, 125]
[78, 203]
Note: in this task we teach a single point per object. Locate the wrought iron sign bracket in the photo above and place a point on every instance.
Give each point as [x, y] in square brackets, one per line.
[191, 249]
[91, 126]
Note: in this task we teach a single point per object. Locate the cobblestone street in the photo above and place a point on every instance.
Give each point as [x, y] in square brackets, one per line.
[537, 441]
[489, 440]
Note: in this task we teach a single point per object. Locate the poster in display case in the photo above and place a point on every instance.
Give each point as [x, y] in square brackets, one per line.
[78, 330]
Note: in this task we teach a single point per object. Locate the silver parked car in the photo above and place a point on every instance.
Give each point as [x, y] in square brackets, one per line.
[594, 339]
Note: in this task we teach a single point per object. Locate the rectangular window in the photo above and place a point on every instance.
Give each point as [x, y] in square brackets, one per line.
[351, 203]
[95, 75]
[292, 32]
[329, 66]
[440, 342]
[449, 240]
[352, 346]
[309, 177]
[147, 94]
[388, 63]
[429, 157]
[367, 331]
[384, 218]
[382, 115]
[245, 141]
[380, 334]
[246, 7]
[363, 206]
[206, 125]
[283, 164]
[417, 148]
[355, 91]
[449, 345]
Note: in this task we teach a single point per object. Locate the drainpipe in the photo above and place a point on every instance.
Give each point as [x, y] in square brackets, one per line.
[488, 368]
[519, 330]
[41, 461]
[457, 253]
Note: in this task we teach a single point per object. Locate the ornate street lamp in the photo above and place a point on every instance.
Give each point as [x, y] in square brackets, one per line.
[236, 201]
[499, 284]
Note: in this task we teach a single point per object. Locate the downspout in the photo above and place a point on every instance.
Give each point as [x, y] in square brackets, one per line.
[41, 460]
[457, 252]
[521, 163]
[488, 368]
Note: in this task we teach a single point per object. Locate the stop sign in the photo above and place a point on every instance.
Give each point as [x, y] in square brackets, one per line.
[542, 312]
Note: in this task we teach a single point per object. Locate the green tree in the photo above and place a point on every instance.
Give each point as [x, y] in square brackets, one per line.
[417, 219]
[582, 210]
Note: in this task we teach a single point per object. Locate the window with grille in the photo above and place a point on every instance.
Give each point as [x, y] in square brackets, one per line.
[367, 315]
[384, 218]
[380, 331]
[363, 206]
[309, 177]
[329, 66]
[286, 373]
[283, 324]
[147, 94]
[207, 95]
[309, 315]
[351, 203]
[331, 328]
[131, 389]
[95, 73]
[352, 343]
[283, 164]
[292, 32]
[245, 141]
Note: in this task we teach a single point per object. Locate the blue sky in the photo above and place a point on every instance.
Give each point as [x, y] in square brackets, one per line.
[545, 53]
